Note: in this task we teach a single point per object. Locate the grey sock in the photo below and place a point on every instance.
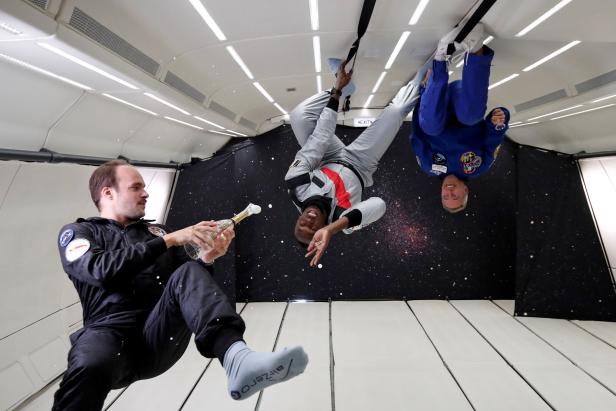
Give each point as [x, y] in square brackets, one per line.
[248, 372]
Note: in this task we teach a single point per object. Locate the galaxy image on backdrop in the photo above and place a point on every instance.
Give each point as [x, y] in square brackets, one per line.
[415, 251]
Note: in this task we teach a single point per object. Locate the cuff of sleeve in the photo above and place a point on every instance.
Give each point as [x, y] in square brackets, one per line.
[333, 103]
[156, 246]
[354, 217]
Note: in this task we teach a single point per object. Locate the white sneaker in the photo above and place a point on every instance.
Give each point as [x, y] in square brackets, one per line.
[473, 41]
[441, 49]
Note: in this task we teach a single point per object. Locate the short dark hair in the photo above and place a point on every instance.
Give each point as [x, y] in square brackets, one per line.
[104, 176]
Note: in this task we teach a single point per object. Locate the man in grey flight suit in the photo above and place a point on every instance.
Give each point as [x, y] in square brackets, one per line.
[326, 179]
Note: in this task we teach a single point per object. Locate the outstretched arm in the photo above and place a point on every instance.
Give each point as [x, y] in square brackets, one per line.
[364, 213]
[321, 238]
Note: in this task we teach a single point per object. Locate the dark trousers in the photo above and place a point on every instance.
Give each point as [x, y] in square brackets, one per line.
[466, 98]
[103, 357]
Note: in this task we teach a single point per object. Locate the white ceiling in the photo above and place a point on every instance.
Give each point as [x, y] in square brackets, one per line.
[274, 39]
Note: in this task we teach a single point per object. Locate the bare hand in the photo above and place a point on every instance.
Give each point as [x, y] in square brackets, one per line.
[318, 245]
[219, 246]
[199, 234]
[498, 117]
[342, 77]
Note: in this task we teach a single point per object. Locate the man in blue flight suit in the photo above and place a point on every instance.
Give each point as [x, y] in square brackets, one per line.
[143, 298]
[450, 136]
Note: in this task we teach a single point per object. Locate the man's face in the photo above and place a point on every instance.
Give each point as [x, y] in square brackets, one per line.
[129, 197]
[453, 191]
[311, 220]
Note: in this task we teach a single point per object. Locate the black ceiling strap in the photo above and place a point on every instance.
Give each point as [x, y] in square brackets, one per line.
[471, 23]
[364, 20]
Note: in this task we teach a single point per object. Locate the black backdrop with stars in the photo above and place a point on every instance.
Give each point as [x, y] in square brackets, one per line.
[416, 251]
[562, 270]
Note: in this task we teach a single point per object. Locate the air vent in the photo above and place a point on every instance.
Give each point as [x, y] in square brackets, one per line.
[290, 89]
[223, 111]
[248, 124]
[183, 87]
[596, 82]
[548, 98]
[85, 24]
[42, 4]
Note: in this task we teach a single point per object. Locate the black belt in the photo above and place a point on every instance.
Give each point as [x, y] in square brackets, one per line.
[350, 167]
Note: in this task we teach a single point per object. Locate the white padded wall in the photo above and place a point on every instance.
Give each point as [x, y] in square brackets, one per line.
[39, 307]
[600, 180]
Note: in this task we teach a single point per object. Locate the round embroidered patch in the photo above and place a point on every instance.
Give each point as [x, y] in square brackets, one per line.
[470, 162]
[66, 237]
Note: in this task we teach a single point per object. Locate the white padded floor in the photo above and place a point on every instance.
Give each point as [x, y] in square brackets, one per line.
[392, 355]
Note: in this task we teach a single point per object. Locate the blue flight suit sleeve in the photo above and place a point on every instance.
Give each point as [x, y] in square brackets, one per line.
[494, 137]
[423, 152]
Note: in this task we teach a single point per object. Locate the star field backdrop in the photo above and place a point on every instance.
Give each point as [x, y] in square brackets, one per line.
[416, 251]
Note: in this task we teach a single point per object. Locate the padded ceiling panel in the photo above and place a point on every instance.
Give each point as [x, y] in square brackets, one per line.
[29, 106]
[98, 124]
[163, 140]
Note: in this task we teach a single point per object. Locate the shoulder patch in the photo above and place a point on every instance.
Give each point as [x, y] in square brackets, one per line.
[76, 249]
[157, 231]
[66, 237]
[470, 162]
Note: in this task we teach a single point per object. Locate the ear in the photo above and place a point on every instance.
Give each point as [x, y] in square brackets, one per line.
[107, 192]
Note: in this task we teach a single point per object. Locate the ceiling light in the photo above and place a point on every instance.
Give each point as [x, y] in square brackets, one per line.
[183, 122]
[10, 29]
[314, 14]
[603, 98]
[239, 61]
[584, 111]
[319, 84]
[555, 112]
[460, 63]
[514, 123]
[418, 11]
[209, 122]
[129, 104]
[378, 82]
[208, 19]
[262, 90]
[220, 132]
[524, 124]
[506, 79]
[552, 55]
[166, 103]
[279, 107]
[86, 65]
[43, 71]
[316, 45]
[544, 17]
[397, 49]
[235, 132]
[488, 40]
[368, 101]
[450, 72]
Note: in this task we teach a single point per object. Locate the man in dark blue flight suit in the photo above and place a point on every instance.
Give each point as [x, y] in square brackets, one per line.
[143, 298]
[450, 136]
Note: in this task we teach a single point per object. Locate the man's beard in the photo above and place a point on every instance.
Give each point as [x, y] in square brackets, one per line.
[136, 215]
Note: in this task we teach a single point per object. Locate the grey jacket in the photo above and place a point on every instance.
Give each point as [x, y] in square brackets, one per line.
[332, 179]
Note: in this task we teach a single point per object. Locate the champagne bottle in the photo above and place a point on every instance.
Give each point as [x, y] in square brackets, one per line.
[194, 251]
